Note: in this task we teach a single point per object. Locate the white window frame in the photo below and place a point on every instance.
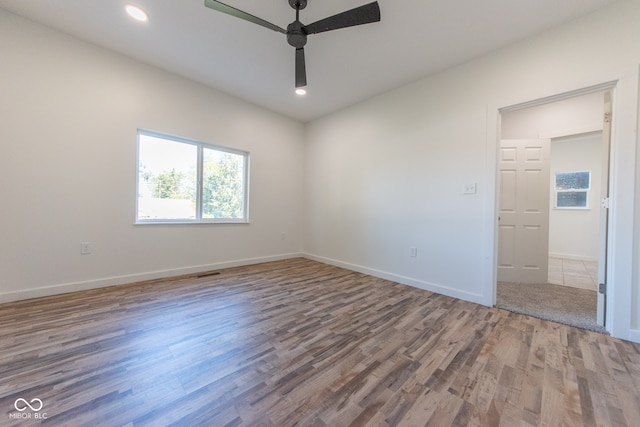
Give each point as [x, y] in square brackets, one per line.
[199, 189]
[571, 190]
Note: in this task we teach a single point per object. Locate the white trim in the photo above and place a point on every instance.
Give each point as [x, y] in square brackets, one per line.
[138, 277]
[571, 93]
[489, 276]
[404, 280]
[622, 228]
[199, 161]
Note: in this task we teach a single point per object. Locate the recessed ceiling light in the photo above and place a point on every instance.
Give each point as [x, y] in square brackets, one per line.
[136, 13]
[300, 91]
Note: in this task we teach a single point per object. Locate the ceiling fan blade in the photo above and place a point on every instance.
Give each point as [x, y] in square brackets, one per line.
[301, 69]
[358, 16]
[221, 7]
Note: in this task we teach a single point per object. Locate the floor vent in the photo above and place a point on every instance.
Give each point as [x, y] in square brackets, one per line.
[213, 273]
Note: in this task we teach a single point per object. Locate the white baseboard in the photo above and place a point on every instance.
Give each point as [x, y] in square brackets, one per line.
[138, 277]
[573, 257]
[634, 335]
[427, 286]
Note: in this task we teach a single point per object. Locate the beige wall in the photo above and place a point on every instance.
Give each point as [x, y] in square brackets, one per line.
[69, 113]
[574, 233]
[389, 174]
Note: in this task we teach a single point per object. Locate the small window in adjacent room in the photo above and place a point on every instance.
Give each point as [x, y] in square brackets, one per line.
[572, 189]
[181, 180]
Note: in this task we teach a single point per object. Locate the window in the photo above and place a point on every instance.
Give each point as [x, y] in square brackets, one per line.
[572, 189]
[180, 180]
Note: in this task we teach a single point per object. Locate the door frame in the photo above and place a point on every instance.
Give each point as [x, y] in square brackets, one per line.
[622, 241]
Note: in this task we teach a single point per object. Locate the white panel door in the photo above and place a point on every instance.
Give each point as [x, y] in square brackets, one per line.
[523, 236]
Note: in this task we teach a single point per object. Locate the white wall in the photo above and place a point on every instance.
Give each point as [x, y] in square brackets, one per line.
[69, 112]
[389, 173]
[574, 233]
[573, 116]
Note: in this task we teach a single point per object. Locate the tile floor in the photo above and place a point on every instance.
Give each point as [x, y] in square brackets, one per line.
[577, 274]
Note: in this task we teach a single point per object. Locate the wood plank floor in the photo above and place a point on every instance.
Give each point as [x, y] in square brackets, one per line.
[297, 342]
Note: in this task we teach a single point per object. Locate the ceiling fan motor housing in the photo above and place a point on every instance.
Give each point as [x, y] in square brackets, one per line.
[296, 36]
[298, 4]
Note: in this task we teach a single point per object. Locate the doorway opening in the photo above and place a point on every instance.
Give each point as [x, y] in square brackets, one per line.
[553, 168]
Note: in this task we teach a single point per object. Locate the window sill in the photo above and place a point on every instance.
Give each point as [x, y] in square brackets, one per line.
[194, 222]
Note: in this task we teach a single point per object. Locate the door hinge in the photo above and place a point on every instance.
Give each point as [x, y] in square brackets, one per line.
[604, 202]
[602, 288]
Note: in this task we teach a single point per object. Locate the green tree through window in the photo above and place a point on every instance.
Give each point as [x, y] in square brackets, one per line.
[222, 185]
[171, 185]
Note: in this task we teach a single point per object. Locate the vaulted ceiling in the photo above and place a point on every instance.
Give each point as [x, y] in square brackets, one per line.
[415, 38]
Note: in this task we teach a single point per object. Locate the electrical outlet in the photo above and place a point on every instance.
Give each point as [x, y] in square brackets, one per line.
[413, 252]
[470, 188]
[85, 248]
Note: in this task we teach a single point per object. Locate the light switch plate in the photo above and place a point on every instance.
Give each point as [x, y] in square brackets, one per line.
[470, 188]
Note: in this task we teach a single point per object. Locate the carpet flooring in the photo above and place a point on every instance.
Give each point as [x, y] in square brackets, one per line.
[562, 304]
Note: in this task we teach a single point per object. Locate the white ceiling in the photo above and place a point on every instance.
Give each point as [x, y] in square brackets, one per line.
[415, 38]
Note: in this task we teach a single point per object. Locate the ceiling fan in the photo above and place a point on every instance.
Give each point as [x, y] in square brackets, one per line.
[297, 32]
